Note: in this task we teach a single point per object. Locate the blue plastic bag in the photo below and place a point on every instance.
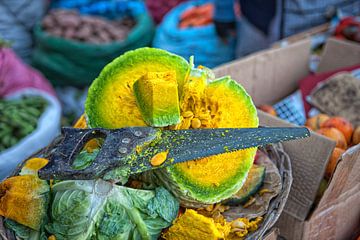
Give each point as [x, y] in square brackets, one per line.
[201, 42]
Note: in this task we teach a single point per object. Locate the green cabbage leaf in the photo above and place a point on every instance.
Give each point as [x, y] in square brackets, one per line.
[90, 209]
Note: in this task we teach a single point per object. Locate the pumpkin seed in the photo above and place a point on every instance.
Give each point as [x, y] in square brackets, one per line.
[195, 123]
[188, 114]
[159, 158]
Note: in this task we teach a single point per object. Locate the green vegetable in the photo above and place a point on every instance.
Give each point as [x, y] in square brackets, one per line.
[157, 97]
[101, 210]
[84, 159]
[24, 232]
[18, 118]
[252, 184]
[111, 102]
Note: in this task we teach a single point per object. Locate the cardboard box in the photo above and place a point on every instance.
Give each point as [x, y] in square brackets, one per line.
[302, 35]
[271, 75]
[272, 235]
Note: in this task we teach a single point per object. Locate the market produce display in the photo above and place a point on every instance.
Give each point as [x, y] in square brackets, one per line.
[186, 198]
[202, 104]
[339, 130]
[18, 118]
[188, 30]
[96, 40]
[70, 24]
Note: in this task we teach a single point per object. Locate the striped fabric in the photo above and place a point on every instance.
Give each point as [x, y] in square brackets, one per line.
[298, 16]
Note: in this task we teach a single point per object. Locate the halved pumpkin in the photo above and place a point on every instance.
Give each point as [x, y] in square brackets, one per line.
[221, 103]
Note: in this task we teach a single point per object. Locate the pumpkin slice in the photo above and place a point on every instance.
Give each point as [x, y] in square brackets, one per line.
[252, 184]
[223, 103]
[192, 225]
[24, 198]
[158, 99]
[111, 101]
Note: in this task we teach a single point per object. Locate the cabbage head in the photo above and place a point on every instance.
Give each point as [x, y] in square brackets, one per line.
[89, 209]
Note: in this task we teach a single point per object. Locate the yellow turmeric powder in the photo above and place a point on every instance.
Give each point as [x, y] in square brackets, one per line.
[23, 199]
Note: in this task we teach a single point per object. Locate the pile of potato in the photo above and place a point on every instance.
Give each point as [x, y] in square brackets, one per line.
[70, 24]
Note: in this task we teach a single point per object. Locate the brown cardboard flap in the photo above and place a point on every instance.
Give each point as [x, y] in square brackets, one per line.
[338, 213]
[308, 159]
[272, 235]
[338, 54]
[290, 227]
[345, 180]
[302, 35]
[270, 75]
[339, 219]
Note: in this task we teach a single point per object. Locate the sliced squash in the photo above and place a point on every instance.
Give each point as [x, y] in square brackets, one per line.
[158, 99]
[192, 225]
[252, 184]
[222, 103]
[111, 101]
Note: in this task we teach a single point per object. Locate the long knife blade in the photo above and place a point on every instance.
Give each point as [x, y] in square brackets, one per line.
[133, 148]
[185, 145]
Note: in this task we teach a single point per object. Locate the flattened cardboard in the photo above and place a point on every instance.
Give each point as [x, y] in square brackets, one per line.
[270, 75]
[338, 54]
[272, 235]
[338, 213]
[308, 160]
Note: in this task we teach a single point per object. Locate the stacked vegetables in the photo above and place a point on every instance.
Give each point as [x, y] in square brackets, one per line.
[70, 25]
[18, 118]
[147, 204]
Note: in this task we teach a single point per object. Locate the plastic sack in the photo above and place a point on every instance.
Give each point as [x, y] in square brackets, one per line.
[15, 75]
[47, 129]
[202, 42]
[17, 18]
[67, 62]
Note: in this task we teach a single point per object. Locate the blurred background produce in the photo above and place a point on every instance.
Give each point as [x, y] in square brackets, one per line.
[74, 44]
[18, 119]
[70, 24]
[29, 111]
[188, 30]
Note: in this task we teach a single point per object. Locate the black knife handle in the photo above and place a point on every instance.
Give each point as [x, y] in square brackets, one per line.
[117, 146]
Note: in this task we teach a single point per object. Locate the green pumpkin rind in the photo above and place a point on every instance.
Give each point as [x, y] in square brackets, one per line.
[195, 195]
[129, 66]
[252, 184]
[191, 193]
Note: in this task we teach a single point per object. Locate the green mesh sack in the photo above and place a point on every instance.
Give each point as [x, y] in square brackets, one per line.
[66, 62]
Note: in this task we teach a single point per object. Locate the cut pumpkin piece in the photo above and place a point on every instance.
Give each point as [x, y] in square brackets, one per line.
[192, 225]
[111, 101]
[158, 99]
[252, 184]
[222, 104]
[204, 103]
[24, 198]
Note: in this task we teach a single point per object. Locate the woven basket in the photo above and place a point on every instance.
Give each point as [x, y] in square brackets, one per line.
[276, 154]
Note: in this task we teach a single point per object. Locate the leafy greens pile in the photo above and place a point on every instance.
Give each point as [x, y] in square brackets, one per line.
[101, 210]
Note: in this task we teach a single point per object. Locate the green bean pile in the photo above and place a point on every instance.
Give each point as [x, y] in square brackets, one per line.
[18, 118]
